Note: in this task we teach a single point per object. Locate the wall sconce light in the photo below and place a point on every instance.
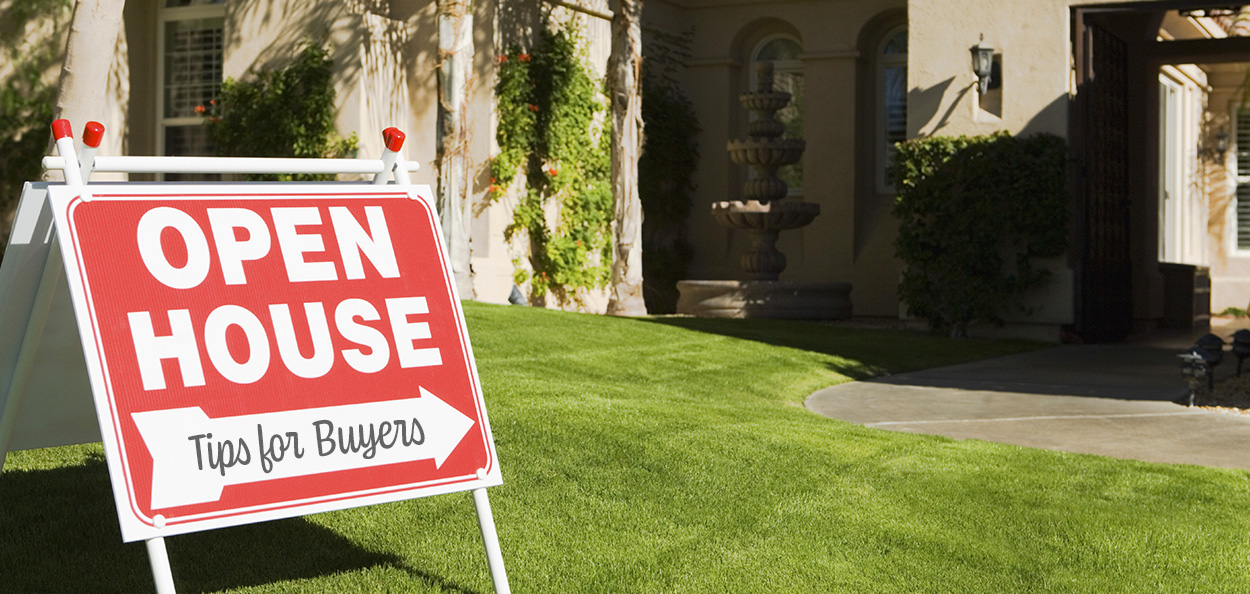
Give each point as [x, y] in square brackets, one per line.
[1221, 141]
[983, 64]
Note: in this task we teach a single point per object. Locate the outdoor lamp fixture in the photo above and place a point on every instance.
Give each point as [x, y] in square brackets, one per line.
[1195, 369]
[1221, 141]
[983, 64]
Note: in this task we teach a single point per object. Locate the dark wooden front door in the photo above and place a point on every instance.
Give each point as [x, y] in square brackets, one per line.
[1104, 268]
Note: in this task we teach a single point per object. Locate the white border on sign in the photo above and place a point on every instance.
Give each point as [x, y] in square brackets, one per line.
[135, 525]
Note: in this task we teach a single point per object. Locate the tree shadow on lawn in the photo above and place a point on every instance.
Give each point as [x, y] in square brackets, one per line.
[867, 353]
[61, 535]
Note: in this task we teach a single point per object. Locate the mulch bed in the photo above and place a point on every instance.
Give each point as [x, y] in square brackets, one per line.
[1231, 396]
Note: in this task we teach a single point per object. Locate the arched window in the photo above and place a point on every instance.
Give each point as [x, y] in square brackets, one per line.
[891, 66]
[783, 51]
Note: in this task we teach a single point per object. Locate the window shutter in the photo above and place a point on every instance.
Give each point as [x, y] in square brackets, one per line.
[1243, 172]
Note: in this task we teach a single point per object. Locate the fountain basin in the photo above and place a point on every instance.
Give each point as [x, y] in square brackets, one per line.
[765, 216]
[768, 152]
[764, 299]
[766, 101]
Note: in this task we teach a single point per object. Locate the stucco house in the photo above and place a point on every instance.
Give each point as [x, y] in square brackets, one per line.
[1148, 94]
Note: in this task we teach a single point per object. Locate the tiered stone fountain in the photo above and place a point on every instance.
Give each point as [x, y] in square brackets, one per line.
[764, 215]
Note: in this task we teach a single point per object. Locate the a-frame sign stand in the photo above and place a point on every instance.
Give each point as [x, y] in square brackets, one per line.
[245, 352]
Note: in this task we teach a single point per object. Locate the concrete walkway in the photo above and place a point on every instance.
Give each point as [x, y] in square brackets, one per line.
[1111, 400]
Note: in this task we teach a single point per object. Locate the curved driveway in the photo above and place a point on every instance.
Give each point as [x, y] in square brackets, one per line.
[1112, 400]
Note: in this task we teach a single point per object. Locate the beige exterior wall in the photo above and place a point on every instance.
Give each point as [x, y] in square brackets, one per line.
[1032, 40]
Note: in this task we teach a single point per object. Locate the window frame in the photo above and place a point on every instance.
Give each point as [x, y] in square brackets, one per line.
[794, 66]
[882, 151]
[164, 16]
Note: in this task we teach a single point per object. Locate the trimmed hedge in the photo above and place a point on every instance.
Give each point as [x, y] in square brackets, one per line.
[974, 214]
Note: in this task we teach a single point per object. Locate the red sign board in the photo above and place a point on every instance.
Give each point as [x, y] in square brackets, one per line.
[258, 352]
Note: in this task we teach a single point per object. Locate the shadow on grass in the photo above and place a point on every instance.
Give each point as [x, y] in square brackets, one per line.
[866, 353]
[61, 535]
[1116, 371]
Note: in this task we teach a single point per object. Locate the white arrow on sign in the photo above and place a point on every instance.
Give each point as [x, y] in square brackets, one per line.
[194, 457]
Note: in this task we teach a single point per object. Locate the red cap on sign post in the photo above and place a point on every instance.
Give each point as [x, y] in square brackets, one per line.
[92, 134]
[62, 129]
[394, 139]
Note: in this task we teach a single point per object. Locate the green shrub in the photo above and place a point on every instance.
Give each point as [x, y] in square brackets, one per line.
[665, 178]
[287, 112]
[974, 213]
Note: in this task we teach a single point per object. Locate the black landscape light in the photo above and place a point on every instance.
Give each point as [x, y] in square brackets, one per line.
[1214, 346]
[1194, 368]
[1241, 346]
[1212, 349]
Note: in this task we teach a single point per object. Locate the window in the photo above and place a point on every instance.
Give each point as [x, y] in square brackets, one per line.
[784, 52]
[891, 67]
[191, 39]
[1243, 179]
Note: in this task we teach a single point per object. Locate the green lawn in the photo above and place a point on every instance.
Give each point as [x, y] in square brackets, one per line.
[674, 455]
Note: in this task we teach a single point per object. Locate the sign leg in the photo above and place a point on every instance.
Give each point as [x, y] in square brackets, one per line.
[494, 557]
[11, 398]
[159, 558]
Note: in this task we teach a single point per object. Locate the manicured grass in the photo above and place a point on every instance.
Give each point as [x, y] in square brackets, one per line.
[674, 455]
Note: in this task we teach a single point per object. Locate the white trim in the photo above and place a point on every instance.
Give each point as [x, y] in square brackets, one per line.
[1170, 91]
[1182, 201]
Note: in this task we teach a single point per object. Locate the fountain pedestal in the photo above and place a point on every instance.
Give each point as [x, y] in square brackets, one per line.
[764, 215]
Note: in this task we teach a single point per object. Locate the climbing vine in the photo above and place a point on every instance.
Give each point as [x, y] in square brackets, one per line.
[552, 133]
[287, 112]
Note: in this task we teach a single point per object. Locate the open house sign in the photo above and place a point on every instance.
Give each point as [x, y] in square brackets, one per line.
[265, 351]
